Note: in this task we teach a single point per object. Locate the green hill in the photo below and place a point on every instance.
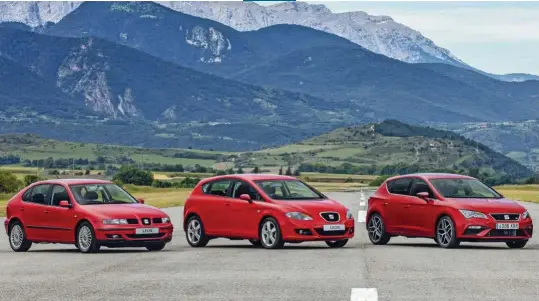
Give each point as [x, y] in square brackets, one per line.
[385, 148]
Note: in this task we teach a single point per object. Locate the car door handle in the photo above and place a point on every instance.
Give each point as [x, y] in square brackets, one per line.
[46, 211]
[407, 206]
[385, 204]
[21, 209]
[227, 204]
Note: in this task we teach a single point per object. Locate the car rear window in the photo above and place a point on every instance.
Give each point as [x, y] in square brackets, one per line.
[399, 186]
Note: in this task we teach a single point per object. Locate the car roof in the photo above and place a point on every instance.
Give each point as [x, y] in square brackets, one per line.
[251, 177]
[74, 181]
[430, 176]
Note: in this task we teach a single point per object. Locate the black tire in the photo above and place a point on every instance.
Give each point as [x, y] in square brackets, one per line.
[86, 234]
[380, 237]
[446, 225]
[156, 247]
[255, 242]
[191, 237]
[19, 243]
[337, 243]
[519, 244]
[274, 241]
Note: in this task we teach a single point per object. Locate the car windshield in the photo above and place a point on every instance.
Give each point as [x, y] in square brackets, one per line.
[97, 194]
[464, 188]
[289, 190]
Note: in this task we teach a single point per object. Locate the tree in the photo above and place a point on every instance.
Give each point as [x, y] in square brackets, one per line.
[29, 179]
[296, 173]
[240, 170]
[288, 171]
[256, 170]
[87, 172]
[281, 170]
[133, 175]
[9, 182]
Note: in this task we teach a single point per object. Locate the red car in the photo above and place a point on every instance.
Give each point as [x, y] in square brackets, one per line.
[87, 213]
[449, 208]
[268, 210]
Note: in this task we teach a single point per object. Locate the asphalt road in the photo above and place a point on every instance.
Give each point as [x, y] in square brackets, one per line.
[405, 269]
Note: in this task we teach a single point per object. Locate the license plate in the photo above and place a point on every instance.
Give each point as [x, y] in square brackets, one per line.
[333, 227]
[507, 226]
[147, 231]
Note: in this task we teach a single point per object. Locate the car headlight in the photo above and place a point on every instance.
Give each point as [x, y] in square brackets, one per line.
[165, 220]
[349, 214]
[115, 221]
[525, 215]
[299, 216]
[472, 214]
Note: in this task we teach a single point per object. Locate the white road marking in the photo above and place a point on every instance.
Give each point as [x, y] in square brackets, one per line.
[361, 203]
[364, 294]
[361, 216]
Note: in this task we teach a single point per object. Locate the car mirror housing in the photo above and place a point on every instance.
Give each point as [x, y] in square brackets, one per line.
[140, 201]
[423, 195]
[64, 204]
[245, 197]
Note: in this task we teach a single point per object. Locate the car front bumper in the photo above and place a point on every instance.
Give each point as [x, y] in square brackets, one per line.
[485, 230]
[298, 230]
[126, 236]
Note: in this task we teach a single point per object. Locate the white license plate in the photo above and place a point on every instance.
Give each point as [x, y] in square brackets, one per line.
[147, 230]
[333, 227]
[507, 226]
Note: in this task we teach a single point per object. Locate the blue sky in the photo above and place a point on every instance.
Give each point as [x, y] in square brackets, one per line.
[497, 37]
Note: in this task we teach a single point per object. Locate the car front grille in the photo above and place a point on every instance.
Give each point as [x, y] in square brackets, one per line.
[505, 216]
[330, 216]
[321, 232]
[156, 235]
[146, 221]
[132, 221]
[509, 233]
[157, 220]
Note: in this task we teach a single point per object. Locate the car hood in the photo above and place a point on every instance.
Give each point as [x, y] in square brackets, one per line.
[313, 207]
[490, 205]
[123, 211]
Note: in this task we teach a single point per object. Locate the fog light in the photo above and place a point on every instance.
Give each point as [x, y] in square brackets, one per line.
[116, 236]
[475, 227]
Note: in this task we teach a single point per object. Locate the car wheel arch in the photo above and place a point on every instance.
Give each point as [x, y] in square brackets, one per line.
[439, 217]
[187, 218]
[265, 216]
[80, 222]
[14, 220]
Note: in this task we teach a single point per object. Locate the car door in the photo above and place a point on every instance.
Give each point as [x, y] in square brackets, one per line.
[34, 210]
[215, 208]
[399, 190]
[60, 220]
[418, 212]
[244, 215]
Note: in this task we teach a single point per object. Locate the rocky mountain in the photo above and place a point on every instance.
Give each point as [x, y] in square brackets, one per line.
[380, 34]
[408, 92]
[125, 84]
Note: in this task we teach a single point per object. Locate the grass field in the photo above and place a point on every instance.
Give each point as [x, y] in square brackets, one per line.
[528, 193]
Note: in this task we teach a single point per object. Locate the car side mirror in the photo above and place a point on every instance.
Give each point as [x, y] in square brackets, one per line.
[140, 201]
[423, 196]
[246, 197]
[64, 204]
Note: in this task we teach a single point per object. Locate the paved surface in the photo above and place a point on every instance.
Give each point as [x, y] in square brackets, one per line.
[406, 269]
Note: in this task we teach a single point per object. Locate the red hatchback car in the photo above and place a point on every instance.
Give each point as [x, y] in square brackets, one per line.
[268, 210]
[87, 213]
[447, 207]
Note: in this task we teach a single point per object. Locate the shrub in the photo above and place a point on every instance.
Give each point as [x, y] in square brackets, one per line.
[378, 181]
[29, 179]
[133, 175]
[9, 182]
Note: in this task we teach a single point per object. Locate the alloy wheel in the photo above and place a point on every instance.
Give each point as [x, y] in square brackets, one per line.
[375, 228]
[16, 236]
[269, 233]
[194, 231]
[85, 238]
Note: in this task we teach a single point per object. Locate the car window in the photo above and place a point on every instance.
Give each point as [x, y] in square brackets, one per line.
[26, 197]
[59, 193]
[40, 194]
[97, 194]
[420, 185]
[219, 187]
[240, 188]
[399, 186]
[289, 190]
